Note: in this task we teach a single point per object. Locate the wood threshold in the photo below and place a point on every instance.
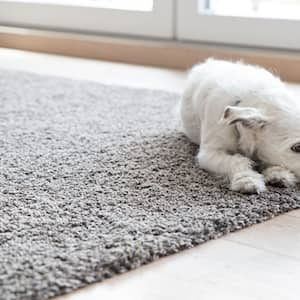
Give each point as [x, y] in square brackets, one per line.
[169, 54]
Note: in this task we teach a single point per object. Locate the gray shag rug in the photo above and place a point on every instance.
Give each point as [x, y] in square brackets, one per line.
[95, 180]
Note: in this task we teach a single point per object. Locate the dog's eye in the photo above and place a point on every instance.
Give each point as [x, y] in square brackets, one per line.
[296, 148]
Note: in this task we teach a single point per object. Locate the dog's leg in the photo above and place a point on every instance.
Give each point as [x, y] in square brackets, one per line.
[238, 168]
[279, 176]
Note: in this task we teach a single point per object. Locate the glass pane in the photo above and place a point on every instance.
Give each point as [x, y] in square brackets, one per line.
[137, 5]
[278, 9]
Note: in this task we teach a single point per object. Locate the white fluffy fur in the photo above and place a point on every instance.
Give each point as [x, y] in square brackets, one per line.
[239, 113]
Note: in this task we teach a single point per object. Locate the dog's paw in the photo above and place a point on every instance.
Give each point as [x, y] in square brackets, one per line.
[279, 176]
[249, 182]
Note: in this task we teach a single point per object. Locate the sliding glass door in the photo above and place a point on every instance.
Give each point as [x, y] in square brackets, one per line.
[263, 23]
[148, 18]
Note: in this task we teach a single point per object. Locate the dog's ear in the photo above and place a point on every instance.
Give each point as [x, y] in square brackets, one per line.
[247, 116]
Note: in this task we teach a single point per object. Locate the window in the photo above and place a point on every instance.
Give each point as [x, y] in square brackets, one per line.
[152, 18]
[262, 23]
[134, 5]
[268, 23]
[278, 9]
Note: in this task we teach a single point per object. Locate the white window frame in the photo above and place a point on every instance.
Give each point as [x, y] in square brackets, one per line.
[46, 15]
[246, 31]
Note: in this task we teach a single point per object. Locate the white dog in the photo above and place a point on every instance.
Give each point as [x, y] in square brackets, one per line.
[240, 114]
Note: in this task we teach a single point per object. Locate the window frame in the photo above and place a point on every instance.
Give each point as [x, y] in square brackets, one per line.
[253, 32]
[157, 23]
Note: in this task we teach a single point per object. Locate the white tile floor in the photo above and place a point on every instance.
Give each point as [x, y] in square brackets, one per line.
[258, 263]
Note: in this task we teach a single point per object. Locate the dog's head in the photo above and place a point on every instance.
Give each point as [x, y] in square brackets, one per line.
[272, 135]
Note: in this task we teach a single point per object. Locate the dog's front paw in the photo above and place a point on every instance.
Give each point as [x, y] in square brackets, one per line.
[248, 182]
[279, 176]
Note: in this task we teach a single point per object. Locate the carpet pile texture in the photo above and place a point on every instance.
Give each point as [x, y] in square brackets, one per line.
[96, 180]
